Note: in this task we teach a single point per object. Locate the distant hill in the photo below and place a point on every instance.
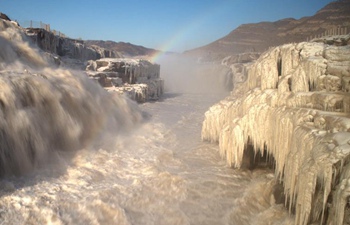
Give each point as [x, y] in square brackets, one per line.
[259, 37]
[127, 49]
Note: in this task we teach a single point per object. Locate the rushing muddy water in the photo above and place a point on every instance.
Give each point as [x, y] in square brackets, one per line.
[160, 173]
[157, 173]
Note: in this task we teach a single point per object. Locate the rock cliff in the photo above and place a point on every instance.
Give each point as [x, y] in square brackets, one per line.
[139, 79]
[292, 105]
[68, 48]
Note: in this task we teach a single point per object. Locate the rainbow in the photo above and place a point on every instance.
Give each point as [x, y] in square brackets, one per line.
[181, 35]
[170, 44]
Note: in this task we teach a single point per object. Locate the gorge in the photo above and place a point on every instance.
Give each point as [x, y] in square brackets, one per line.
[75, 147]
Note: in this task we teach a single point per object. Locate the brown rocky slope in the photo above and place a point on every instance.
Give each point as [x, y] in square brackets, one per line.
[127, 49]
[334, 18]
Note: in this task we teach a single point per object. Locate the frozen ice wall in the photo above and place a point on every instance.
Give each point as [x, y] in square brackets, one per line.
[138, 78]
[293, 104]
[45, 111]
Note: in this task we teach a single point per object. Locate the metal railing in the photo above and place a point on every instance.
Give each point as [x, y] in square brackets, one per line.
[39, 24]
[339, 30]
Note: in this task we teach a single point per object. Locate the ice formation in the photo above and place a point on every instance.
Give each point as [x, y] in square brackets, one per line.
[68, 49]
[44, 110]
[139, 79]
[293, 104]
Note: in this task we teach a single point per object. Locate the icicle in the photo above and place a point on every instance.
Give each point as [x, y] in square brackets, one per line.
[306, 132]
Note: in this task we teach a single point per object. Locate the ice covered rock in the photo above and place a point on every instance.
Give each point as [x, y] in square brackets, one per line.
[293, 105]
[240, 58]
[139, 79]
[62, 46]
[66, 48]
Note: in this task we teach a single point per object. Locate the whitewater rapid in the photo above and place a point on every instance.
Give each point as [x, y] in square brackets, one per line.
[159, 173]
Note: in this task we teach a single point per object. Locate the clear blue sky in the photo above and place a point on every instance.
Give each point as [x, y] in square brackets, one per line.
[171, 25]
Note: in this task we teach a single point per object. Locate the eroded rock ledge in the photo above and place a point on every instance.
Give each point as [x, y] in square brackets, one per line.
[293, 104]
[139, 79]
[72, 52]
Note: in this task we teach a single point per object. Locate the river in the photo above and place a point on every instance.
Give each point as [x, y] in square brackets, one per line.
[158, 173]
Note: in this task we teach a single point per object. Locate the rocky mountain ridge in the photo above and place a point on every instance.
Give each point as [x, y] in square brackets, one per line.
[334, 18]
[125, 48]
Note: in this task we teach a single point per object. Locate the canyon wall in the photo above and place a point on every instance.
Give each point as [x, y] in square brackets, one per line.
[293, 105]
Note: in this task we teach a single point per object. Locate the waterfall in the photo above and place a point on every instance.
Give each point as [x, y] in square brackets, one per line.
[45, 109]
